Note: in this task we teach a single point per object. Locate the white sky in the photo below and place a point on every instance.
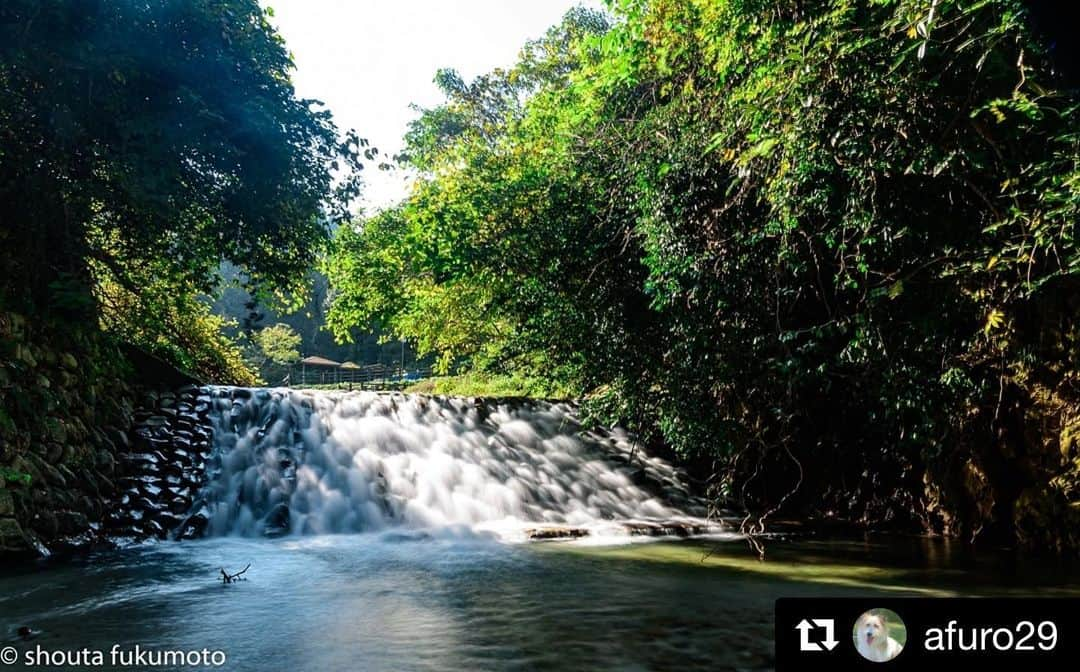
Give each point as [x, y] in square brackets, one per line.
[369, 59]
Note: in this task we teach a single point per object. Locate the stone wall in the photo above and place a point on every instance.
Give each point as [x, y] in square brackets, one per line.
[66, 402]
[162, 467]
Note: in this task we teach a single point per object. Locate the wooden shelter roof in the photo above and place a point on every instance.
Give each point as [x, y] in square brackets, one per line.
[315, 360]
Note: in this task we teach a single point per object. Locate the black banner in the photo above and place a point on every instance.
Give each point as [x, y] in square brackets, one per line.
[883, 633]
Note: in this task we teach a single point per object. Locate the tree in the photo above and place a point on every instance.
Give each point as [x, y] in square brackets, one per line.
[155, 139]
[278, 344]
[834, 243]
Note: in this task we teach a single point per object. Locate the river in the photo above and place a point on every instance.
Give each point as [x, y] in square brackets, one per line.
[399, 533]
[399, 601]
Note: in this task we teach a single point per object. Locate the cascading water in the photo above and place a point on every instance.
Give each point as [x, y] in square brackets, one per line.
[321, 462]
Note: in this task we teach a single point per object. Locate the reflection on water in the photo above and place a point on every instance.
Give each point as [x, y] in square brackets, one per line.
[371, 602]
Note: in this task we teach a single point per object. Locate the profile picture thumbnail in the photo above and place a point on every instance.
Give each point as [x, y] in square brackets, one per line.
[879, 635]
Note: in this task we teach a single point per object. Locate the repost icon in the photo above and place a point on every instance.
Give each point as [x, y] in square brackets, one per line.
[824, 642]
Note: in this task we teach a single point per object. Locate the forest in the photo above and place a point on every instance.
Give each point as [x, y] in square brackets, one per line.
[822, 253]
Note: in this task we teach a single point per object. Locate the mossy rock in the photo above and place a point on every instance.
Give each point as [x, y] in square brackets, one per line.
[21, 465]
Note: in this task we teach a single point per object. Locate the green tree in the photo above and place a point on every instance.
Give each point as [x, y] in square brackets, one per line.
[278, 344]
[830, 242]
[154, 140]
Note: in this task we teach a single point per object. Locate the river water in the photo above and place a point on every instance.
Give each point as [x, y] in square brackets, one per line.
[404, 601]
[391, 532]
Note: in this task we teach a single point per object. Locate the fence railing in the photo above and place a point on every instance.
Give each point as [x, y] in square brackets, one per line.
[363, 378]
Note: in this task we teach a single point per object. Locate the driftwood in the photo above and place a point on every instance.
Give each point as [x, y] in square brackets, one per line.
[230, 578]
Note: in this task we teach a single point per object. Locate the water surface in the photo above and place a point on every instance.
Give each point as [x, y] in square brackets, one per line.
[404, 602]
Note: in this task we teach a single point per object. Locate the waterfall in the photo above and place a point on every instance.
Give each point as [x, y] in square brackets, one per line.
[307, 462]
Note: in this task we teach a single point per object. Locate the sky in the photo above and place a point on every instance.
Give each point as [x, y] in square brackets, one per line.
[369, 59]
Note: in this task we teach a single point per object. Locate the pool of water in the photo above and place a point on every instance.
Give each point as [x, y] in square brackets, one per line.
[403, 602]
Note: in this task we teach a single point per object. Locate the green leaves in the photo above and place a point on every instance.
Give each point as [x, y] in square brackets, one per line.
[278, 343]
[161, 134]
[748, 229]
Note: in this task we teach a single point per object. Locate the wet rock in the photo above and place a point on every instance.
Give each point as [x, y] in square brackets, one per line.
[155, 421]
[154, 528]
[195, 525]
[172, 470]
[7, 503]
[179, 505]
[41, 497]
[105, 462]
[24, 465]
[671, 528]
[72, 522]
[277, 521]
[77, 543]
[541, 533]
[184, 493]
[145, 504]
[169, 521]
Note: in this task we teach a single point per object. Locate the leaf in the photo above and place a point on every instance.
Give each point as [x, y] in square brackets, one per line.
[714, 143]
[994, 320]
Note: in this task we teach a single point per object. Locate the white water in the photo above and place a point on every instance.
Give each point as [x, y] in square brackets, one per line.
[325, 462]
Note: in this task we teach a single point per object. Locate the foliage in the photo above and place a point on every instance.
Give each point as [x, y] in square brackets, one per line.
[273, 350]
[279, 344]
[838, 234]
[490, 385]
[180, 328]
[155, 140]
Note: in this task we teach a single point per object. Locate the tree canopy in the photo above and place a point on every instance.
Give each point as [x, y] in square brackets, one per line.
[143, 143]
[767, 233]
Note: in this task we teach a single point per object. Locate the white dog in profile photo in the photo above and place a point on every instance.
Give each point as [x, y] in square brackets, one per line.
[872, 638]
